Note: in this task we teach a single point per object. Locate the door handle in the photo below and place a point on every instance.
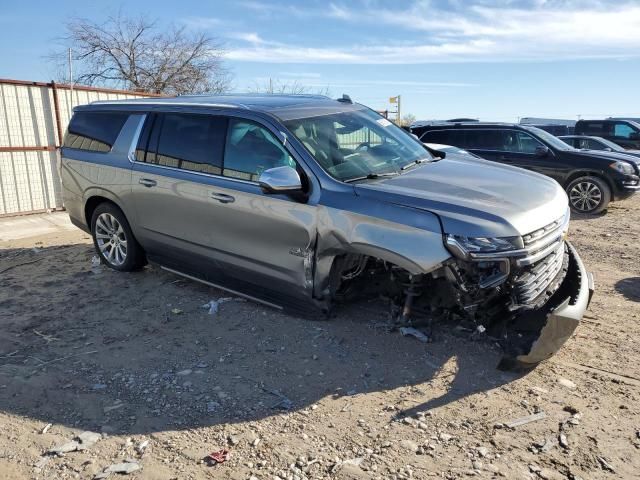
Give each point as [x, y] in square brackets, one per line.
[147, 182]
[223, 197]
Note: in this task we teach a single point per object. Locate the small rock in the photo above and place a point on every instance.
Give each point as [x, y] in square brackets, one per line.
[445, 437]
[482, 451]
[562, 440]
[409, 445]
[566, 383]
[233, 440]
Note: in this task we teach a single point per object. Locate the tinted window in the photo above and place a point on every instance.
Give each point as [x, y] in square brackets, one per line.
[185, 141]
[94, 131]
[593, 128]
[481, 139]
[437, 136]
[569, 141]
[525, 143]
[252, 149]
[592, 144]
[622, 130]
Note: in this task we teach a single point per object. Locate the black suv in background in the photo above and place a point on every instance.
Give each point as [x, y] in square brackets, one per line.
[625, 133]
[591, 179]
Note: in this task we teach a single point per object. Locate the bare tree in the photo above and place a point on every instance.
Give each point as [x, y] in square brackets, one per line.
[137, 54]
[294, 87]
[407, 119]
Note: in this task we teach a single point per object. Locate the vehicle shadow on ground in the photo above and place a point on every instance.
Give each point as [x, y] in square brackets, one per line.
[94, 349]
[630, 288]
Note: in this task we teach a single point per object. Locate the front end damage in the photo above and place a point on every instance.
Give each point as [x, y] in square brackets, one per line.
[531, 299]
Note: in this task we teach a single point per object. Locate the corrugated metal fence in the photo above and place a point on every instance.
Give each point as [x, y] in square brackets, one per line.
[33, 118]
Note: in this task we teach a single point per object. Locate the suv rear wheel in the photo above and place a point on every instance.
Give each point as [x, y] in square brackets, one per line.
[588, 195]
[114, 240]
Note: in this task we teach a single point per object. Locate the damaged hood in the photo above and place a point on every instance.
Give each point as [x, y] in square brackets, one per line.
[475, 198]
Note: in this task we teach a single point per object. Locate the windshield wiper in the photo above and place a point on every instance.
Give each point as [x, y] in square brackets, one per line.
[371, 176]
[413, 164]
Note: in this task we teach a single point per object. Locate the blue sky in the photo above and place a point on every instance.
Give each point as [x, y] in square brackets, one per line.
[492, 59]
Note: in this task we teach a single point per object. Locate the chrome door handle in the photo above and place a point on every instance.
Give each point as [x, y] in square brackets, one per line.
[223, 198]
[147, 182]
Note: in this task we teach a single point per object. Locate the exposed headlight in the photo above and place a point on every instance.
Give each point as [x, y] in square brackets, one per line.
[462, 246]
[623, 167]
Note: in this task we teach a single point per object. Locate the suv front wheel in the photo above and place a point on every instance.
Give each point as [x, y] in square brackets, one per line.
[588, 195]
[113, 239]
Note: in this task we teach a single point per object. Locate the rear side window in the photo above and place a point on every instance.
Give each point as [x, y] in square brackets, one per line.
[94, 131]
[622, 130]
[481, 139]
[185, 141]
[593, 128]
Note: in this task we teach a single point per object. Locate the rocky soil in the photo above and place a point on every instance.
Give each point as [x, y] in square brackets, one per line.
[104, 374]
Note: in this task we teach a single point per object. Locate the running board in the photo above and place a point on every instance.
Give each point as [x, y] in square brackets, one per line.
[234, 292]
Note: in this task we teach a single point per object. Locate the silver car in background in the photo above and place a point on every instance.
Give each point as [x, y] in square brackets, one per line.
[303, 202]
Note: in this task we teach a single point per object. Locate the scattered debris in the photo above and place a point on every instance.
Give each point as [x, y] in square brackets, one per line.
[413, 332]
[606, 465]
[184, 373]
[219, 456]
[125, 468]
[83, 441]
[142, 446]
[176, 311]
[214, 305]
[46, 428]
[524, 420]
[109, 408]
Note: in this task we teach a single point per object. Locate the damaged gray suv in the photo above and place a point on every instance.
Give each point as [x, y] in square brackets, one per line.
[303, 202]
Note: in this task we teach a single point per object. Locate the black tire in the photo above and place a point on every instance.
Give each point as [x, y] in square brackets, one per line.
[590, 195]
[114, 241]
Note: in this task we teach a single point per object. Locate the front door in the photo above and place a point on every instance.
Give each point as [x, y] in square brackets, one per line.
[201, 211]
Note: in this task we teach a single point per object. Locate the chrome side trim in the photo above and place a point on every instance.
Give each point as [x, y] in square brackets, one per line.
[191, 172]
[244, 295]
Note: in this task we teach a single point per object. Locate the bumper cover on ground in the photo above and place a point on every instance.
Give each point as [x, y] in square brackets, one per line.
[560, 316]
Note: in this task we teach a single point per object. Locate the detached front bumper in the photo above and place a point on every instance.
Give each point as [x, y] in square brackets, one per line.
[560, 316]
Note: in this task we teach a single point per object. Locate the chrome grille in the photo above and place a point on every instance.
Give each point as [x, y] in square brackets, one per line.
[548, 231]
[532, 282]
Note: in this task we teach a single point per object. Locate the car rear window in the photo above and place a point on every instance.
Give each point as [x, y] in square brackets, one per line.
[94, 131]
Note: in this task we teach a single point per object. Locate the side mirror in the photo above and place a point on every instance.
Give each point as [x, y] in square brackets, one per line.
[542, 151]
[609, 149]
[280, 180]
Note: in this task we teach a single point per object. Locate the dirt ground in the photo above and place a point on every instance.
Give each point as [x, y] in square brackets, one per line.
[136, 358]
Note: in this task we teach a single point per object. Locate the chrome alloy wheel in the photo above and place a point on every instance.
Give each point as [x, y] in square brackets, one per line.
[585, 196]
[111, 239]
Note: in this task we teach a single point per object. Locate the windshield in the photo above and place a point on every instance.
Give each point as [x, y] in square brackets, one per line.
[357, 144]
[550, 140]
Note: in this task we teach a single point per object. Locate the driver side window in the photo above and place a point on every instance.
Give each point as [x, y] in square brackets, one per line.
[251, 149]
[520, 142]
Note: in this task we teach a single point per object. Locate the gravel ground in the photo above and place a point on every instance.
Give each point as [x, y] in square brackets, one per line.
[139, 360]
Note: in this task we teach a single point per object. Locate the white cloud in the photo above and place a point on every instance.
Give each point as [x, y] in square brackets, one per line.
[497, 31]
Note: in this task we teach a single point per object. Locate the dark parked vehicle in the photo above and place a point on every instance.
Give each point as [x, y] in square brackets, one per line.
[591, 179]
[584, 142]
[304, 201]
[625, 133]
